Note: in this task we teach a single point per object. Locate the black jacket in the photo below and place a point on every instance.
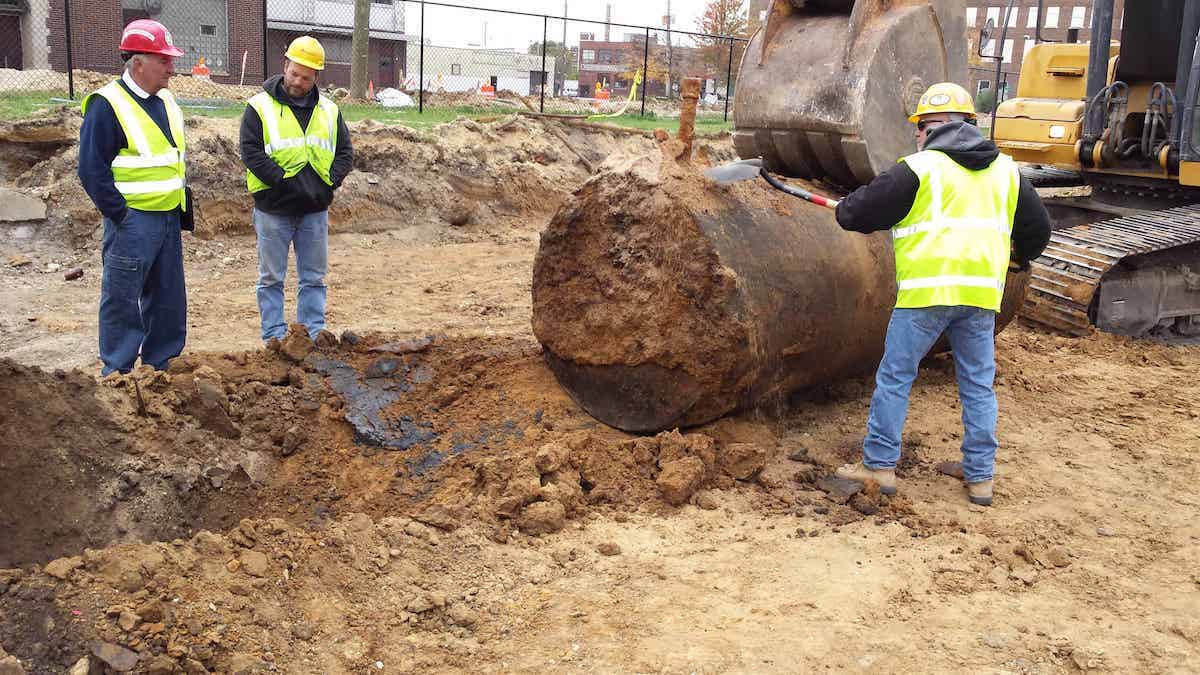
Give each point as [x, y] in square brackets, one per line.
[305, 192]
[886, 200]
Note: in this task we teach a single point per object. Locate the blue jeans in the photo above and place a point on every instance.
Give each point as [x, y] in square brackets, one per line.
[310, 236]
[910, 335]
[143, 300]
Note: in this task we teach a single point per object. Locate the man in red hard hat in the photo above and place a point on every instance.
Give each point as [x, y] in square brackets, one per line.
[131, 162]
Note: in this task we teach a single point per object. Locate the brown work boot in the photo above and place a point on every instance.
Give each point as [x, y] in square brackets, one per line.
[863, 473]
[980, 493]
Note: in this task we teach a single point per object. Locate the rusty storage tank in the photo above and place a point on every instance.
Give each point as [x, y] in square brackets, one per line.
[664, 300]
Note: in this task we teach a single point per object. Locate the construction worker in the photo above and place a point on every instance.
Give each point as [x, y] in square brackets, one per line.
[296, 149]
[131, 163]
[961, 218]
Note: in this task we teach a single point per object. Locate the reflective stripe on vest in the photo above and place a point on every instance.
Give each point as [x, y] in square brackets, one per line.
[954, 245]
[149, 171]
[291, 147]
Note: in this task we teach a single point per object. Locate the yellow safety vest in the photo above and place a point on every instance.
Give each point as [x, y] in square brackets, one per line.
[149, 171]
[954, 245]
[291, 147]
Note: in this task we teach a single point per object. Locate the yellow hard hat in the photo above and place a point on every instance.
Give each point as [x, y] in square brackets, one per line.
[306, 51]
[944, 97]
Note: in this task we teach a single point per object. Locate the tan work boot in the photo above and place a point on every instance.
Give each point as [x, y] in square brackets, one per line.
[862, 473]
[980, 493]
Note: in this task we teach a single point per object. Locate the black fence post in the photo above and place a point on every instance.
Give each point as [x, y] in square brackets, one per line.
[645, 69]
[70, 61]
[264, 34]
[421, 67]
[542, 100]
[729, 78]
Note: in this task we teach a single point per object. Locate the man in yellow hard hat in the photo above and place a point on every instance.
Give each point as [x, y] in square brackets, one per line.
[297, 151]
[961, 218]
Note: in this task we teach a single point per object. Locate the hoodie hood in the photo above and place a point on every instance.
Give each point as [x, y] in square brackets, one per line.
[274, 87]
[963, 143]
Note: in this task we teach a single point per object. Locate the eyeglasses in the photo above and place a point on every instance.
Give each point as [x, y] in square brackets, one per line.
[922, 126]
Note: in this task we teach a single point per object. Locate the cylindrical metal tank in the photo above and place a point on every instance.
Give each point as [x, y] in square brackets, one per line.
[663, 300]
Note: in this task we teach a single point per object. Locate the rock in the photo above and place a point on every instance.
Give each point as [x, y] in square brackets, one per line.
[952, 469]
[609, 548]
[408, 346]
[459, 213]
[193, 667]
[349, 337]
[292, 439]
[297, 345]
[51, 268]
[437, 516]
[210, 405]
[62, 567]
[1024, 573]
[839, 490]
[243, 664]
[707, 500]
[254, 563]
[384, 366]
[420, 604]
[1105, 532]
[117, 657]
[462, 615]
[18, 206]
[73, 274]
[9, 665]
[551, 457]
[1055, 557]
[679, 479]
[302, 631]
[161, 665]
[864, 505]
[994, 640]
[798, 455]
[742, 460]
[542, 518]
[19, 260]
[326, 340]
[128, 621]
[153, 611]
[81, 667]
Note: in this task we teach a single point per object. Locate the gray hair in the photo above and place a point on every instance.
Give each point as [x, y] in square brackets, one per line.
[137, 57]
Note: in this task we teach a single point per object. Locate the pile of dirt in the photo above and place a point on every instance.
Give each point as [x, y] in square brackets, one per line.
[464, 177]
[184, 86]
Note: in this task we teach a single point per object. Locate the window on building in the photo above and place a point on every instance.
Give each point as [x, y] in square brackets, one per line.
[993, 15]
[1008, 51]
[1031, 21]
[1002, 93]
[589, 55]
[1078, 14]
[604, 56]
[1051, 17]
[456, 69]
[983, 86]
[337, 49]
[1012, 16]
[206, 29]
[972, 14]
[1025, 50]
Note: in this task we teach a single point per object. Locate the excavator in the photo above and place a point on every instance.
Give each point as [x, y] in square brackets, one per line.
[826, 86]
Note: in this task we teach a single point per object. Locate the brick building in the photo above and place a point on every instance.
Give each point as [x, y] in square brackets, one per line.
[1061, 20]
[225, 31]
[614, 64]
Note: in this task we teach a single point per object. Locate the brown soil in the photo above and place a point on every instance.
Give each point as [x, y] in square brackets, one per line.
[231, 521]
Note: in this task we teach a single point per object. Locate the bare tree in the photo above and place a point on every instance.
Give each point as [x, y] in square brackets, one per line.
[722, 17]
[360, 45]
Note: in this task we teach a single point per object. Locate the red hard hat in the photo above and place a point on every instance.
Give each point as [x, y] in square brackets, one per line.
[145, 36]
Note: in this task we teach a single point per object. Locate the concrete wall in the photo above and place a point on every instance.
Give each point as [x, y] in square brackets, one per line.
[35, 35]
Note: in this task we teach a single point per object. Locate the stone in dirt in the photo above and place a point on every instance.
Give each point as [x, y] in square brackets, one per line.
[461, 615]
[210, 405]
[542, 518]
[609, 548]
[81, 667]
[707, 501]
[742, 460]
[297, 345]
[17, 206]
[254, 563]
[839, 490]
[952, 469]
[864, 505]
[384, 366]
[409, 346]
[9, 665]
[62, 568]
[326, 340]
[19, 261]
[161, 665]
[117, 657]
[73, 274]
[437, 516]
[679, 479]
[128, 621]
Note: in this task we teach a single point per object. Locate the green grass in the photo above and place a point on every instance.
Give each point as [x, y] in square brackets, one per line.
[27, 104]
[19, 105]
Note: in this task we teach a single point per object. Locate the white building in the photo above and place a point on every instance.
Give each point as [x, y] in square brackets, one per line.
[458, 69]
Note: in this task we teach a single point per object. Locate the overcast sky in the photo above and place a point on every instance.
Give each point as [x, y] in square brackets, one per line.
[457, 27]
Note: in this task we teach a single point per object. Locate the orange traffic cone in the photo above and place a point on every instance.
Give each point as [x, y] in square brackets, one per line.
[371, 89]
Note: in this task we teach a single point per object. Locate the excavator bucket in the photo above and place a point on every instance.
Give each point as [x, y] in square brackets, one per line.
[826, 87]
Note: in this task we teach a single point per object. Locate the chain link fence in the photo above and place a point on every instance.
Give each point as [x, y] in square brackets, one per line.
[424, 55]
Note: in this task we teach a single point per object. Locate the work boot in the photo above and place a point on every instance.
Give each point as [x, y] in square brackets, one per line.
[980, 493]
[863, 473]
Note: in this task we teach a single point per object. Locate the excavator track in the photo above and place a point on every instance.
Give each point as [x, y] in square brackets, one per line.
[1067, 276]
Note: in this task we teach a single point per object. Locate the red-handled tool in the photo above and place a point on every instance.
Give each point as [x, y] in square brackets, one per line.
[751, 168]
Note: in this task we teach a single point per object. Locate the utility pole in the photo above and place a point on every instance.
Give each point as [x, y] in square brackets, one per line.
[359, 46]
[564, 42]
[670, 55]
